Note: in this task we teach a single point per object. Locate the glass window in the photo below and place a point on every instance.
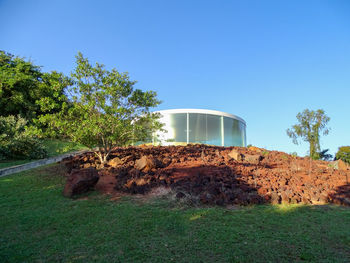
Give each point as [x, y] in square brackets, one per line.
[243, 135]
[213, 129]
[234, 132]
[197, 128]
[228, 134]
[202, 128]
[178, 127]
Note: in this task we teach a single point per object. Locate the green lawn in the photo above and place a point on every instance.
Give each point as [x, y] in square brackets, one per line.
[57, 147]
[38, 224]
[9, 163]
[53, 147]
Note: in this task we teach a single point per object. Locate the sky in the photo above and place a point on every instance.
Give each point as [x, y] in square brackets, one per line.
[263, 61]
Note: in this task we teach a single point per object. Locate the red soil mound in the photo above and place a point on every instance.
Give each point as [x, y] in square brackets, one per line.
[221, 175]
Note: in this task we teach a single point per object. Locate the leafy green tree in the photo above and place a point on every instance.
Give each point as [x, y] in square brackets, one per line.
[16, 142]
[343, 154]
[311, 124]
[26, 91]
[324, 155]
[106, 111]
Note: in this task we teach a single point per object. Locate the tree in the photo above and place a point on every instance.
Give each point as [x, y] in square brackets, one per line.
[106, 111]
[16, 142]
[26, 91]
[343, 154]
[311, 123]
[324, 155]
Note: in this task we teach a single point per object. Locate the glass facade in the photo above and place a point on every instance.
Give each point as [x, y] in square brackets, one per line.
[201, 127]
[178, 127]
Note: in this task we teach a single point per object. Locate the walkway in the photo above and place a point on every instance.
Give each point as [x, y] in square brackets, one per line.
[34, 164]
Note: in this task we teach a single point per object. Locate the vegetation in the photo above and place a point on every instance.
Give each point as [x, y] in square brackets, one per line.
[103, 109]
[343, 154]
[106, 111]
[26, 91]
[324, 155]
[311, 123]
[294, 154]
[56, 147]
[53, 148]
[9, 163]
[38, 224]
[16, 142]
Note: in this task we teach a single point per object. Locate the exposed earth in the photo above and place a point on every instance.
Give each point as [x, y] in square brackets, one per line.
[212, 175]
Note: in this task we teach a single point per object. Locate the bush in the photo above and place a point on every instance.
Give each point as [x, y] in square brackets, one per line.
[16, 142]
[343, 154]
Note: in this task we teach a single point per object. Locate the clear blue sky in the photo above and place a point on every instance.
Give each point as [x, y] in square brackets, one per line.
[264, 61]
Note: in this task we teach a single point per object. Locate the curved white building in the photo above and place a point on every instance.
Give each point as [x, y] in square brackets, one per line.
[210, 127]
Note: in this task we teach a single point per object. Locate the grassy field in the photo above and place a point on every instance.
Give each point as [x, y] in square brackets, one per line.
[38, 224]
[53, 147]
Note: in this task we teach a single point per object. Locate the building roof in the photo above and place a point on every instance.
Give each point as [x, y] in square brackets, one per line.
[203, 111]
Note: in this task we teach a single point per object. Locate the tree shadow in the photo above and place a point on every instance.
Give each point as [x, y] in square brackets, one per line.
[220, 184]
[211, 184]
[341, 195]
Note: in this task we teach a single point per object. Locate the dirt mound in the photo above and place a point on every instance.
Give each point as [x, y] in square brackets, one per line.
[221, 175]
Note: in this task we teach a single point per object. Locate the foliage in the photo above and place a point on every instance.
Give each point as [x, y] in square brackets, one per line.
[16, 142]
[311, 123]
[325, 156]
[53, 147]
[39, 225]
[26, 91]
[56, 147]
[343, 154]
[106, 111]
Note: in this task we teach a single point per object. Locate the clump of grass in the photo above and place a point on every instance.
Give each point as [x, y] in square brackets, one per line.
[265, 153]
[284, 157]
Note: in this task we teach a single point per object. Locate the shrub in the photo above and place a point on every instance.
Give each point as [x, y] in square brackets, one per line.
[343, 154]
[16, 142]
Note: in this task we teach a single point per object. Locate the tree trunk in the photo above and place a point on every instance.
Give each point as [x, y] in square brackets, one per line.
[313, 148]
[103, 157]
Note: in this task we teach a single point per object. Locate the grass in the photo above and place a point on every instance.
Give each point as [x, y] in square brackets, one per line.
[53, 147]
[57, 147]
[9, 163]
[38, 224]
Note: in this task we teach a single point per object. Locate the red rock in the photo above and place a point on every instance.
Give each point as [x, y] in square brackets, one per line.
[115, 162]
[219, 178]
[275, 198]
[284, 198]
[305, 200]
[255, 149]
[254, 159]
[145, 163]
[234, 154]
[340, 165]
[80, 181]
